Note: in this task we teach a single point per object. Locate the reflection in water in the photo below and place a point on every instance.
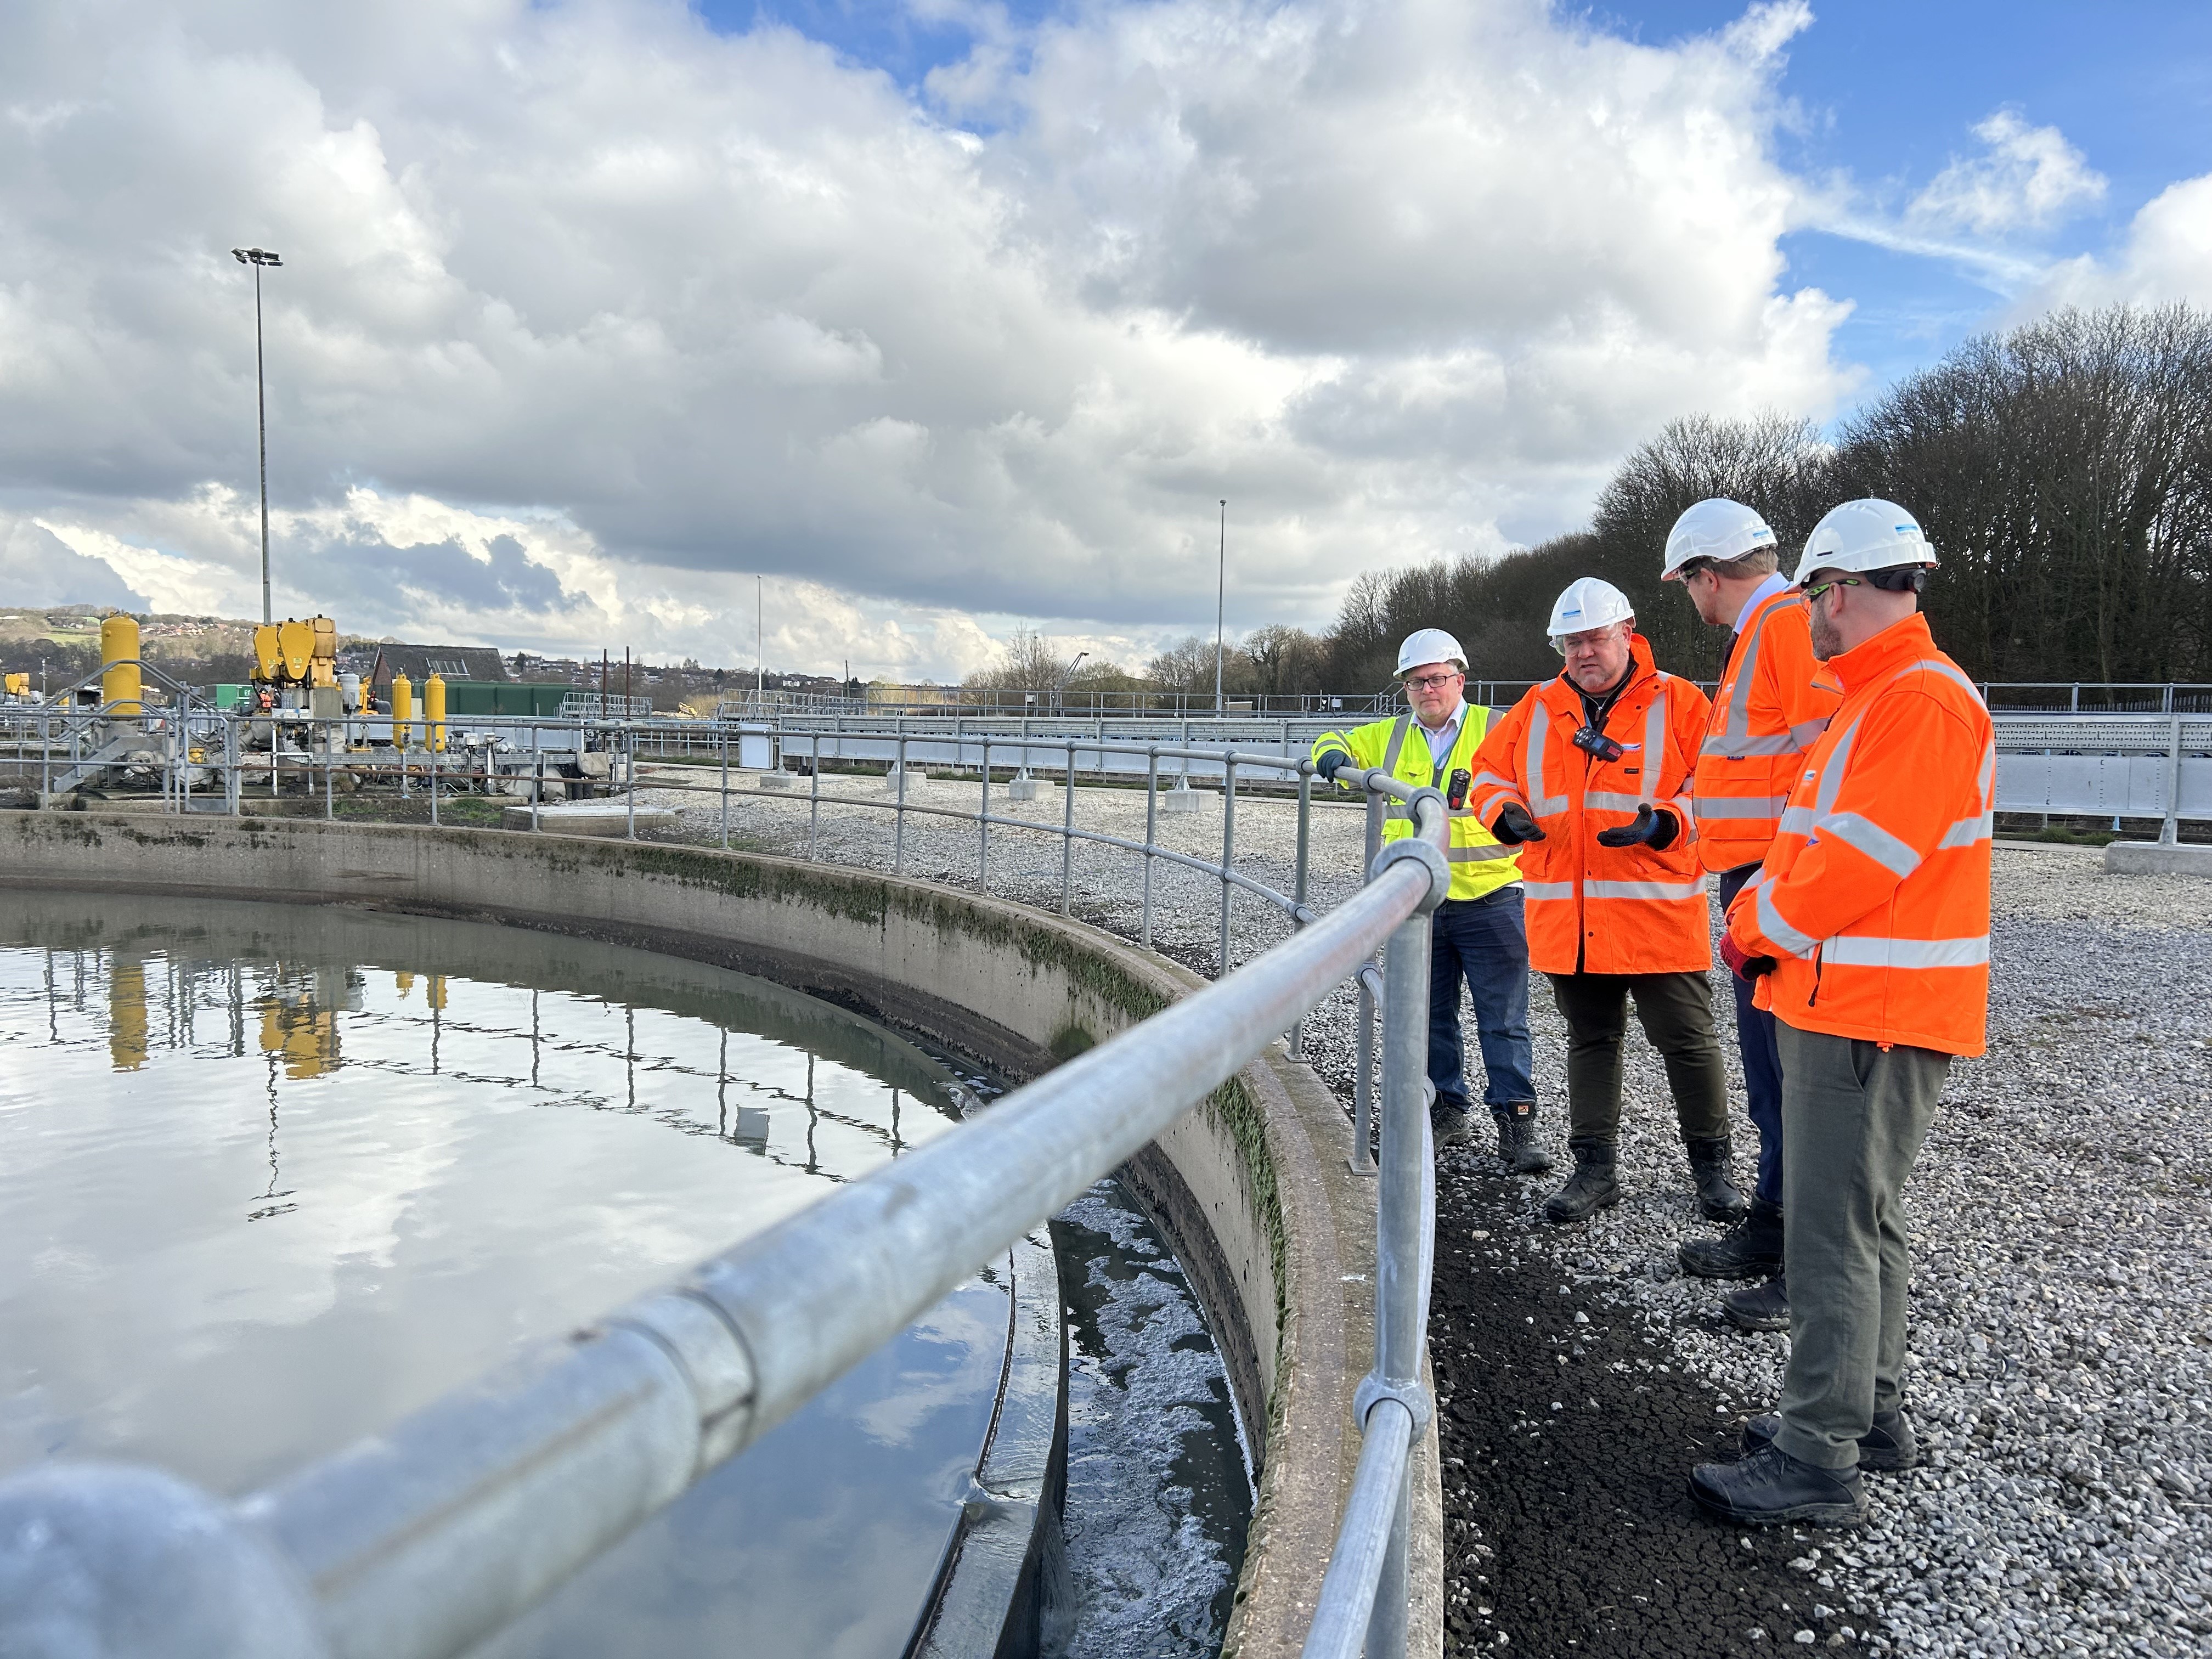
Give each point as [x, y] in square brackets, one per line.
[276, 1177]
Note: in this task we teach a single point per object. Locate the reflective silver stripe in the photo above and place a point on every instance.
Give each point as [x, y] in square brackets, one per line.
[1853, 950]
[1966, 831]
[1797, 821]
[1654, 744]
[1772, 925]
[1806, 734]
[1949, 672]
[1397, 742]
[1548, 890]
[1988, 774]
[1739, 707]
[1397, 811]
[1488, 853]
[1540, 734]
[1687, 807]
[1605, 800]
[1711, 807]
[1863, 833]
[1781, 742]
[1644, 889]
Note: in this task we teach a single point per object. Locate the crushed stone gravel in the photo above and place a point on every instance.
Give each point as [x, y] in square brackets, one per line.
[2060, 1364]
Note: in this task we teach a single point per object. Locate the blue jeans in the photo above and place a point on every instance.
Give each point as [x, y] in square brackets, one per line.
[1485, 942]
[1762, 1059]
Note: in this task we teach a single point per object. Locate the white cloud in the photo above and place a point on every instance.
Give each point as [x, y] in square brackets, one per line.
[2166, 255]
[625, 311]
[2027, 179]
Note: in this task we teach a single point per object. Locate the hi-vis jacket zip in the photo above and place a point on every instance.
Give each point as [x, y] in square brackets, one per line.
[1604, 910]
[1479, 863]
[1875, 898]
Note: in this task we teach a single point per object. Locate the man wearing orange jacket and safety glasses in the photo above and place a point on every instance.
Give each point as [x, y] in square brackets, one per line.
[1773, 703]
[1589, 774]
[1867, 930]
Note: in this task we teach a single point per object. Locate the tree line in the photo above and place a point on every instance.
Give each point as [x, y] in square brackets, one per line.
[2063, 470]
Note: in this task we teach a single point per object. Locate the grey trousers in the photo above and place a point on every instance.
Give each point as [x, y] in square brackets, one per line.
[1853, 1117]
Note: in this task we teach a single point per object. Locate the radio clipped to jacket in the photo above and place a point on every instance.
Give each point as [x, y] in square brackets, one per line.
[1594, 744]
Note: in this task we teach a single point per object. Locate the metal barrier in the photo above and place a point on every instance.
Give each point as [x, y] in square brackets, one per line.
[422, 1540]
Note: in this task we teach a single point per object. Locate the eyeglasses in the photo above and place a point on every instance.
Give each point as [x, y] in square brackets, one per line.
[1818, 588]
[1432, 681]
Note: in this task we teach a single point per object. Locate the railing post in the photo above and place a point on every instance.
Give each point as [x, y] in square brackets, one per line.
[433, 752]
[1363, 1080]
[814, 793]
[898, 841]
[1228, 848]
[1151, 832]
[1404, 1239]
[1298, 878]
[725, 786]
[1067, 832]
[330, 786]
[2169, 833]
[983, 818]
[537, 777]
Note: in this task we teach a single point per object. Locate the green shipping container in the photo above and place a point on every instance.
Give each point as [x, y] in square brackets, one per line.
[504, 699]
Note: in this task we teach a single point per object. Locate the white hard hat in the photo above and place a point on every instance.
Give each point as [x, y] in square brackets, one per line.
[1865, 535]
[1429, 644]
[1589, 602]
[1718, 529]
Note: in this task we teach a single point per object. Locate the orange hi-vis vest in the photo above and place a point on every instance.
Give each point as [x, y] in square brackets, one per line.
[1875, 899]
[1592, 908]
[1774, 702]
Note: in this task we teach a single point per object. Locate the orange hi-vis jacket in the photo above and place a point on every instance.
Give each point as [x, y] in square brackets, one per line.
[1875, 899]
[1774, 702]
[1592, 908]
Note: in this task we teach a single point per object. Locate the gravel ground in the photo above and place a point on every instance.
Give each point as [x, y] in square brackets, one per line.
[2060, 1370]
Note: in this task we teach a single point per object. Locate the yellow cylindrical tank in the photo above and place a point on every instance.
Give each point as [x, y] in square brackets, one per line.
[126, 1014]
[120, 684]
[403, 981]
[437, 991]
[402, 712]
[433, 708]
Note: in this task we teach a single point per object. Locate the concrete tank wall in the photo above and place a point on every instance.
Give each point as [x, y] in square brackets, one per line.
[1252, 1187]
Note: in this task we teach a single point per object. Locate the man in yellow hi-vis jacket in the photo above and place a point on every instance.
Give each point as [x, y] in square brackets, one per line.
[1479, 934]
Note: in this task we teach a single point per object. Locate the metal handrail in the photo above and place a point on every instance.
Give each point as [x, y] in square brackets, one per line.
[418, 1543]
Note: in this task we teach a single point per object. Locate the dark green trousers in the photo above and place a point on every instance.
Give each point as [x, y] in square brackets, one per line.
[1853, 1117]
[1676, 1010]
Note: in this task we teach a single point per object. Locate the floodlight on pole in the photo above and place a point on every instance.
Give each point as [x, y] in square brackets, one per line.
[1220, 608]
[258, 258]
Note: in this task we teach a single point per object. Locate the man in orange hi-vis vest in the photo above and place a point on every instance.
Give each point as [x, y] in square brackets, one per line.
[1589, 775]
[1773, 703]
[1867, 929]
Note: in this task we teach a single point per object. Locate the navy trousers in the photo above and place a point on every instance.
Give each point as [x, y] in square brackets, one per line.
[1483, 942]
[1762, 1059]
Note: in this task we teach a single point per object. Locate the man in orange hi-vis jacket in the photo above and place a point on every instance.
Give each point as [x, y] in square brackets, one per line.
[1867, 929]
[1589, 774]
[1773, 703]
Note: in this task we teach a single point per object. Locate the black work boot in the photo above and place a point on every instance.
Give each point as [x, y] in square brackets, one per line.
[1771, 1486]
[1717, 1197]
[1758, 1306]
[1750, 1249]
[1590, 1188]
[1518, 1148]
[1451, 1121]
[1889, 1445]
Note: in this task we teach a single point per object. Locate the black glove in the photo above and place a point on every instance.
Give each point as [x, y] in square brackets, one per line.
[1654, 828]
[1330, 761]
[1514, 825]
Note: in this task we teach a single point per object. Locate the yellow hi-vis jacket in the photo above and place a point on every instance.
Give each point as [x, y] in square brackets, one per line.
[1480, 864]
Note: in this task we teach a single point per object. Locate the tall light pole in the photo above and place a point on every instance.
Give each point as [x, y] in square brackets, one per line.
[1220, 606]
[760, 634]
[258, 258]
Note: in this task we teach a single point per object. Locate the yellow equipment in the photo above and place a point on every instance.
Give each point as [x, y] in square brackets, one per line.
[119, 682]
[126, 1014]
[295, 653]
[402, 712]
[433, 706]
[18, 685]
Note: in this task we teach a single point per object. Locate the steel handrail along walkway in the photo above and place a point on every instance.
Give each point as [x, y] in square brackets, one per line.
[421, 1541]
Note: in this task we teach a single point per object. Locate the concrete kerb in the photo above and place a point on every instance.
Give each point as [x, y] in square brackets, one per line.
[1251, 1187]
[2150, 858]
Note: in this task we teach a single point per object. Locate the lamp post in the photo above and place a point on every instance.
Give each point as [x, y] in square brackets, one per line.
[258, 258]
[1220, 606]
[760, 635]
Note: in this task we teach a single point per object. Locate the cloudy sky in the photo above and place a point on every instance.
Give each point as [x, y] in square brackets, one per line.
[942, 317]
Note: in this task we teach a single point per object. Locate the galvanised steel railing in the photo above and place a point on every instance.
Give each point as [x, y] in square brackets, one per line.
[425, 1538]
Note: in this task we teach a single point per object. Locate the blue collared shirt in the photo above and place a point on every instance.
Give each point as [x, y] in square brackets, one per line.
[1441, 739]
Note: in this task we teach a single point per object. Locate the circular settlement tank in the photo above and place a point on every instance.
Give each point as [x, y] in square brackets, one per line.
[278, 1175]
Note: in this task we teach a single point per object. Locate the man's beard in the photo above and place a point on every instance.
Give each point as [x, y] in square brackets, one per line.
[1826, 642]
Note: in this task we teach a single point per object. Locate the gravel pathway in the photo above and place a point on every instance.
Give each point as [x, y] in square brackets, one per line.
[2060, 1368]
